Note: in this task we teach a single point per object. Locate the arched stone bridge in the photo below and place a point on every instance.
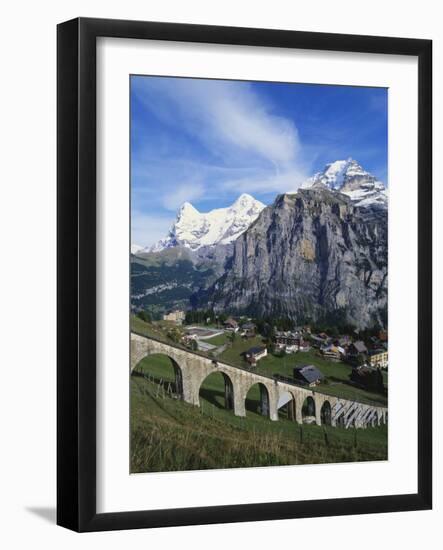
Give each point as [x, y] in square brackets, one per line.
[191, 369]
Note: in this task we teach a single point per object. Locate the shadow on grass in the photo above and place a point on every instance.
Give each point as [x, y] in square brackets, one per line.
[159, 404]
[214, 397]
[253, 406]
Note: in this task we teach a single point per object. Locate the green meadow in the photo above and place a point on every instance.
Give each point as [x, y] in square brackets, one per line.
[168, 434]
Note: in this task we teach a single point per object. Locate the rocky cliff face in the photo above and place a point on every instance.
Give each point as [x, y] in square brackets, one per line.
[313, 255]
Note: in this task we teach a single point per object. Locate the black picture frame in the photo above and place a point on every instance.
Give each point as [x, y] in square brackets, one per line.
[76, 264]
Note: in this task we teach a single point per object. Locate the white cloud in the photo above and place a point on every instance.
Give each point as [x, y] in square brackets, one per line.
[148, 229]
[239, 143]
[228, 117]
[241, 120]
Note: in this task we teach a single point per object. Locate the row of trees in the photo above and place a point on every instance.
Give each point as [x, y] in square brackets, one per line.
[204, 316]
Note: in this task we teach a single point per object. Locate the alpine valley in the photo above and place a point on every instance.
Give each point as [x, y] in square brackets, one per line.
[318, 254]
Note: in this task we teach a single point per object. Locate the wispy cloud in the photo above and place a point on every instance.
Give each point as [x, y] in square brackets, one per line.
[226, 117]
[207, 141]
[242, 144]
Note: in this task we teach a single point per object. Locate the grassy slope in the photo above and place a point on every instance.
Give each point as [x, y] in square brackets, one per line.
[218, 340]
[337, 373]
[168, 434]
[147, 329]
[169, 267]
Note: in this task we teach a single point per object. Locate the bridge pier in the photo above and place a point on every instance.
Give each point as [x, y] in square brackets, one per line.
[239, 404]
[273, 401]
[189, 394]
[318, 400]
[273, 412]
[298, 410]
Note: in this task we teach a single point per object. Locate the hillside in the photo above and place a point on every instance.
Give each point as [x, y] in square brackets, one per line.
[169, 434]
[166, 280]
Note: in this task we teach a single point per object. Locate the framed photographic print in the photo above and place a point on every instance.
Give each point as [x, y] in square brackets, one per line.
[244, 274]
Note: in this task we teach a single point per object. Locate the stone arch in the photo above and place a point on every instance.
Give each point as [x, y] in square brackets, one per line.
[308, 410]
[287, 405]
[225, 399]
[326, 413]
[340, 421]
[138, 369]
[260, 403]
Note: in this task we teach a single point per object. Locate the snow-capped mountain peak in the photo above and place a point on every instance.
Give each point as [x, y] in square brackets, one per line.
[348, 177]
[136, 248]
[193, 229]
[187, 209]
[244, 201]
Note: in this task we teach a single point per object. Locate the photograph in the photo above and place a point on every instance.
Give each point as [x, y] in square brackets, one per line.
[259, 274]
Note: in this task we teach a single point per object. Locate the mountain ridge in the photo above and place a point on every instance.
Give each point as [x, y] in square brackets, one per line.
[318, 252]
[350, 178]
[221, 226]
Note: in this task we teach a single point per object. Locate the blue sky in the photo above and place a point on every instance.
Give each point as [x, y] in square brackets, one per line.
[208, 141]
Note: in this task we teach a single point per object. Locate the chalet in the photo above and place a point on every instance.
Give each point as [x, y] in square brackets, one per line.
[378, 358]
[308, 375]
[316, 341]
[248, 330]
[357, 348]
[231, 324]
[332, 352]
[287, 338]
[252, 355]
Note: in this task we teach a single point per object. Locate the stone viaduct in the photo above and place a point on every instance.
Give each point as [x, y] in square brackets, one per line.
[191, 369]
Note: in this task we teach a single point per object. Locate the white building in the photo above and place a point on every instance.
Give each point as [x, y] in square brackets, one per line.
[177, 316]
